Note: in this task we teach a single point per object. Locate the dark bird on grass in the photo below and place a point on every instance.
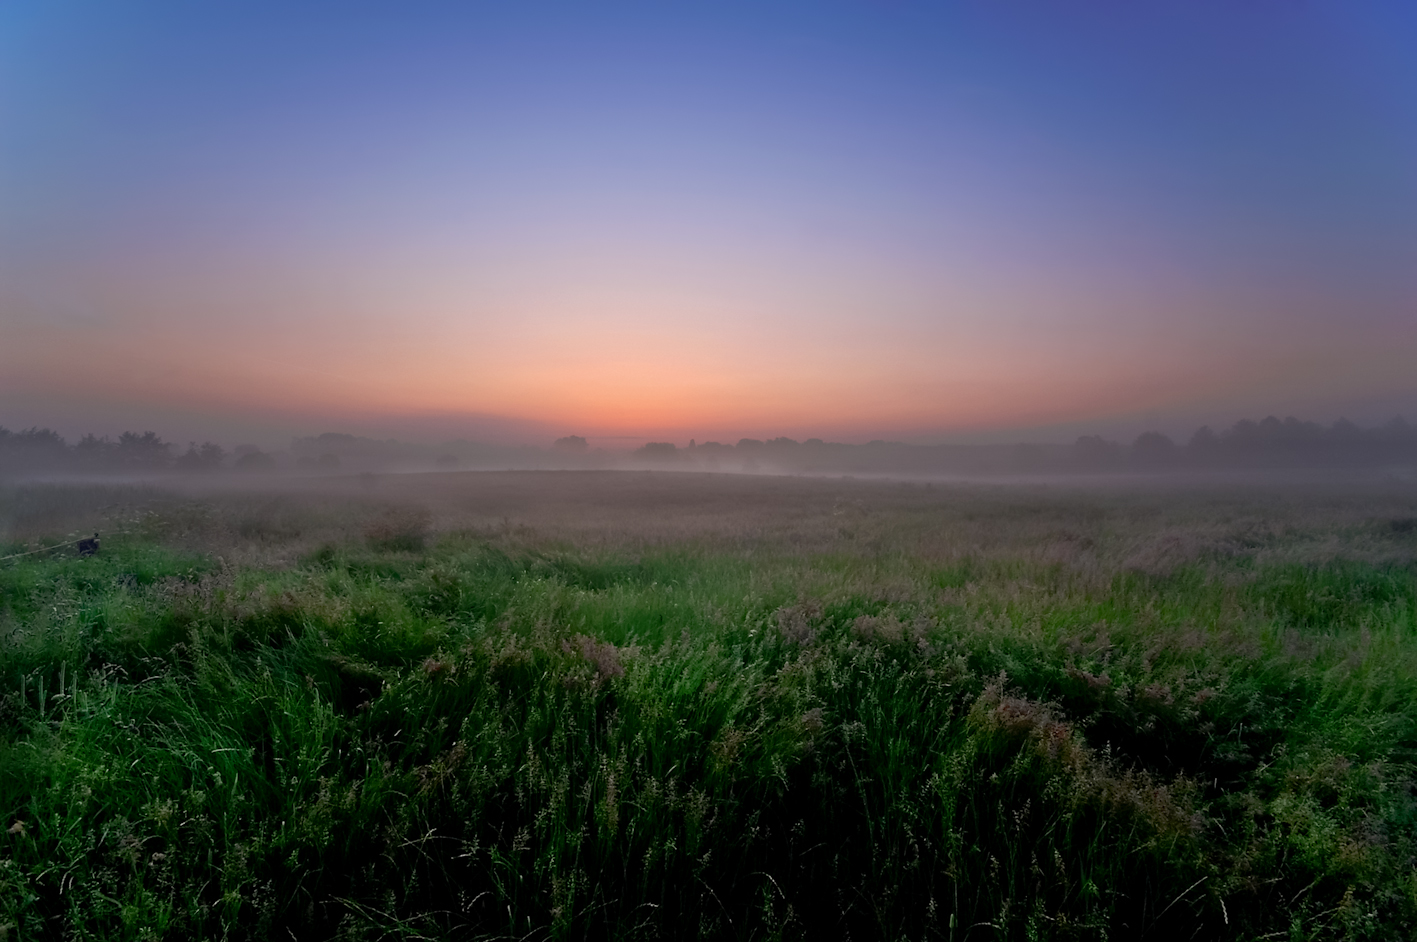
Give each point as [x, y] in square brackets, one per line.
[88, 547]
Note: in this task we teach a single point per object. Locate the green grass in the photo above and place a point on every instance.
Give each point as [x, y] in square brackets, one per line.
[957, 715]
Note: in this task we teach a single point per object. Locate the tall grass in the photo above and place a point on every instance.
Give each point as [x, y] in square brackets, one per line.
[908, 718]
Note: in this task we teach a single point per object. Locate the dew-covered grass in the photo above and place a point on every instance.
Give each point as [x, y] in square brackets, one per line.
[682, 706]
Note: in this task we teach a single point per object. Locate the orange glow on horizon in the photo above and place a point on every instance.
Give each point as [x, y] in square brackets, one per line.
[668, 222]
[626, 389]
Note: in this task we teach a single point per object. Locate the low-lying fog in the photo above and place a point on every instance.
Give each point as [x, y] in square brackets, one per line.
[1248, 447]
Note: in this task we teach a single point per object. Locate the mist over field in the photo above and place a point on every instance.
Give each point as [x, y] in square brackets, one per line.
[1268, 445]
[617, 704]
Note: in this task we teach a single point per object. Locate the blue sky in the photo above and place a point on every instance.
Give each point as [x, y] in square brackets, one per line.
[850, 220]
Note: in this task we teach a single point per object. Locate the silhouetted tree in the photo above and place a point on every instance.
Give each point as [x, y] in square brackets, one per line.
[1204, 440]
[658, 450]
[145, 451]
[1153, 449]
[1395, 429]
[38, 439]
[96, 453]
[571, 443]
[32, 448]
[206, 458]
[1345, 432]
[1094, 451]
[253, 459]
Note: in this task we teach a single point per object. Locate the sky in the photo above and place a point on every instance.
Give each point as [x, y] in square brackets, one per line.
[655, 221]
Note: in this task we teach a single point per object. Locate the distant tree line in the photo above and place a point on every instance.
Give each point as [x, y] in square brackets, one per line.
[337, 450]
[43, 449]
[1271, 443]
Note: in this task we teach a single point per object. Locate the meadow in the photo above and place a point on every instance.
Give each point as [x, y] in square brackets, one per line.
[594, 705]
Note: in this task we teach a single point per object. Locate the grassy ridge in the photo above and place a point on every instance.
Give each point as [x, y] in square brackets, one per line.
[507, 735]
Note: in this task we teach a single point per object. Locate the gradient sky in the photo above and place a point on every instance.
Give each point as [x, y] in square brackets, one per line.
[666, 220]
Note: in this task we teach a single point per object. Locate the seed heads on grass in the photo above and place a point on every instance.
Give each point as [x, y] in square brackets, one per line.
[400, 529]
[798, 623]
[857, 752]
[605, 657]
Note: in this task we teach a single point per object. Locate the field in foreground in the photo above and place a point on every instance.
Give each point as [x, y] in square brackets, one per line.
[617, 705]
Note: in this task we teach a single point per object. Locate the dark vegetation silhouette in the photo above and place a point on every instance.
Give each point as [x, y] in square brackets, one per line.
[1153, 449]
[144, 452]
[207, 458]
[572, 443]
[328, 461]
[1269, 444]
[658, 450]
[42, 449]
[251, 458]
[339, 451]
